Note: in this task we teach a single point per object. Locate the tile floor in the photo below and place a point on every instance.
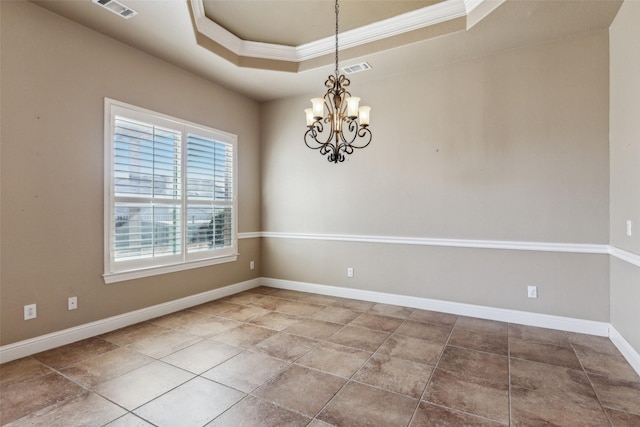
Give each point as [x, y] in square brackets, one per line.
[270, 357]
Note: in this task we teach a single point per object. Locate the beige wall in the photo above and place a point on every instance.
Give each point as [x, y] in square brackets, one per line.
[54, 77]
[513, 146]
[625, 174]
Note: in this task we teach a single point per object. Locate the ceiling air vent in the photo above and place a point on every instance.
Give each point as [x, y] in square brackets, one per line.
[356, 68]
[116, 7]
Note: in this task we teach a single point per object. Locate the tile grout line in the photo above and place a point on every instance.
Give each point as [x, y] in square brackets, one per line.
[593, 388]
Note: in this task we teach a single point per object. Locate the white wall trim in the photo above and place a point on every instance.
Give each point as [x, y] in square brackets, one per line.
[504, 315]
[583, 248]
[250, 235]
[67, 336]
[623, 255]
[625, 348]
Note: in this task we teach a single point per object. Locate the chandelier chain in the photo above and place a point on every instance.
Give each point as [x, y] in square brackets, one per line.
[337, 11]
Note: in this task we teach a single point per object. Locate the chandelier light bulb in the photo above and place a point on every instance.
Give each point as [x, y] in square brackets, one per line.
[352, 106]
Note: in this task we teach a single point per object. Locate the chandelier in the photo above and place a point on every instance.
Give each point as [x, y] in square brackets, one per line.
[336, 125]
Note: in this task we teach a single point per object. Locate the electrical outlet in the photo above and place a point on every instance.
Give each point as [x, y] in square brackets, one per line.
[532, 291]
[349, 271]
[629, 228]
[72, 303]
[252, 265]
[30, 312]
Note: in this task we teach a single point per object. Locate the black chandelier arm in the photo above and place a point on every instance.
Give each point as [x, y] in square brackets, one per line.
[357, 136]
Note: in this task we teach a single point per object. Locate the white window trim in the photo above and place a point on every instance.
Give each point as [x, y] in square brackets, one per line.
[113, 275]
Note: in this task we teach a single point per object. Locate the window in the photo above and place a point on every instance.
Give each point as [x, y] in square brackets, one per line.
[170, 194]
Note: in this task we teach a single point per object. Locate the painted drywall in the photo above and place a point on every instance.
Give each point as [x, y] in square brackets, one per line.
[54, 77]
[512, 146]
[625, 174]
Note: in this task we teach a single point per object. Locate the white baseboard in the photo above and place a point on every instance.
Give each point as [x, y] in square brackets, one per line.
[504, 315]
[625, 348]
[67, 336]
[568, 324]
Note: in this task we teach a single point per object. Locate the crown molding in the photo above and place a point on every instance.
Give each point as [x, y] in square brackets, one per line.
[443, 11]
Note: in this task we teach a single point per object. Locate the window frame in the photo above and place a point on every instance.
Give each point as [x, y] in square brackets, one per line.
[116, 271]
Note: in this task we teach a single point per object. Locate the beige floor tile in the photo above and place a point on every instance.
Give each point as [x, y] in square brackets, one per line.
[391, 310]
[473, 382]
[21, 370]
[481, 325]
[543, 352]
[319, 299]
[376, 322]
[245, 298]
[336, 314]
[246, 371]
[353, 304]
[298, 308]
[214, 308]
[194, 403]
[144, 384]
[244, 313]
[489, 341]
[413, 349]
[180, 318]
[364, 339]
[73, 353]
[276, 321]
[469, 394]
[615, 393]
[286, 346]
[547, 394]
[268, 302]
[485, 367]
[129, 420]
[34, 394]
[362, 405]
[396, 375]
[289, 294]
[208, 326]
[429, 415]
[87, 409]
[604, 359]
[424, 331]
[105, 367]
[165, 344]
[300, 389]
[335, 359]
[348, 362]
[133, 333]
[263, 290]
[434, 317]
[244, 336]
[202, 356]
[256, 412]
[623, 419]
[541, 335]
[312, 328]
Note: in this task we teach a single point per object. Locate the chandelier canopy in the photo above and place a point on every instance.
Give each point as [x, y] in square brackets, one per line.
[336, 124]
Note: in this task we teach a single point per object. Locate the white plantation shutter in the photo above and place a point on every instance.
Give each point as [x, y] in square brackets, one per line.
[209, 194]
[169, 193]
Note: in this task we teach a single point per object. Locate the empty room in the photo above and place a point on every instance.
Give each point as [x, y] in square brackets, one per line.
[319, 212]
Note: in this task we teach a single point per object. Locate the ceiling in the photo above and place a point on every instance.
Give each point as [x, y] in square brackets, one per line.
[269, 49]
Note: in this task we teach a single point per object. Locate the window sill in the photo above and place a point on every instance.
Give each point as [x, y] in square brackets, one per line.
[122, 276]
